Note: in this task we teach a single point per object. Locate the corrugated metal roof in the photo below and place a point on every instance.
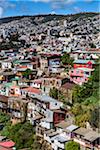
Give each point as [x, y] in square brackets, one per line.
[72, 127]
[45, 98]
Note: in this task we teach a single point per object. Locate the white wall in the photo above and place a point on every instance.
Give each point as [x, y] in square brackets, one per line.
[45, 124]
[55, 105]
[6, 65]
[35, 85]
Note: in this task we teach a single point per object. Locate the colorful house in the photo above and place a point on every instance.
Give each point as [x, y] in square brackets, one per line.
[80, 75]
[80, 63]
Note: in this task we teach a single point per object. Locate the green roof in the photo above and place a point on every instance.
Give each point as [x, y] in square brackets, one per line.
[9, 84]
[16, 62]
[15, 79]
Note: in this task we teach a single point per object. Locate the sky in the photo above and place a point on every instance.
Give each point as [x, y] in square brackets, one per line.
[34, 7]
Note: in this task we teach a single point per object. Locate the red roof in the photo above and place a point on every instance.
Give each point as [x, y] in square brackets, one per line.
[7, 144]
[32, 90]
[22, 66]
[93, 49]
[89, 63]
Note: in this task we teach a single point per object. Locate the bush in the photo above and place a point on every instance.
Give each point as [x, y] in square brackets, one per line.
[72, 146]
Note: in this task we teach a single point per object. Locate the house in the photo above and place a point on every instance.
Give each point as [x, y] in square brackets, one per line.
[80, 75]
[3, 103]
[62, 125]
[6, 64]
[80, 63]
[17, 108]
[54, 64]
[49, 134]
[29, 91]
[58, 142]
[43, 63]
[87, 138]
[66, 90]
[37, 83]
[5, 88]
[50, 109]
[35, 62]
[69, 131]
[56, 139]
[9, 89]
[23, 82]
[14, 91]
[88, 53]
[50, 82]
[32, 115]
[65, 128]
[51, 61]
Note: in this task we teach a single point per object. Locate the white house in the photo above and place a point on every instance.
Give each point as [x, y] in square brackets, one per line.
[6, 64]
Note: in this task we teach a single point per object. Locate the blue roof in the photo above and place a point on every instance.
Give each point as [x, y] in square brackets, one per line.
[83, 61]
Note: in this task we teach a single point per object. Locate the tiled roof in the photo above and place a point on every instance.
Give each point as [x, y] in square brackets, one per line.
[32, 90]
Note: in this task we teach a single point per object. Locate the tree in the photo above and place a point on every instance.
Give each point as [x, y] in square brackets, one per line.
[95, 118]
[23, 134]
[72, 146]
[67, 60]
[4, 118]
[85, 99]
[57, 94]
[27, 73]
[54, 93]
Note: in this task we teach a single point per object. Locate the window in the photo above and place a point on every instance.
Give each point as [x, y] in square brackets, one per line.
[87, 73]
[77, 72]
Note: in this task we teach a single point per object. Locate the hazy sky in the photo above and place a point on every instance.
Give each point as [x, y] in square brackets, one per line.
[33, 7]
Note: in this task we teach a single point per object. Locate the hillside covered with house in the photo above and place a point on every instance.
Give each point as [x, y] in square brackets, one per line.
[49, 82]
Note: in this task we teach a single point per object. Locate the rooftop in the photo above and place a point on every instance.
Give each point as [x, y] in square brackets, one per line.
[7, 144]
[85, 69]
[82, 131]
[72, 128]
[83, 61]
[32, 90]
[60, 138]
[45, 98]
[63, 124]
[91, 136]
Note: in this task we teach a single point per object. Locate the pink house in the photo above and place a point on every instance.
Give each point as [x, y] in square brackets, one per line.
[80, 75]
